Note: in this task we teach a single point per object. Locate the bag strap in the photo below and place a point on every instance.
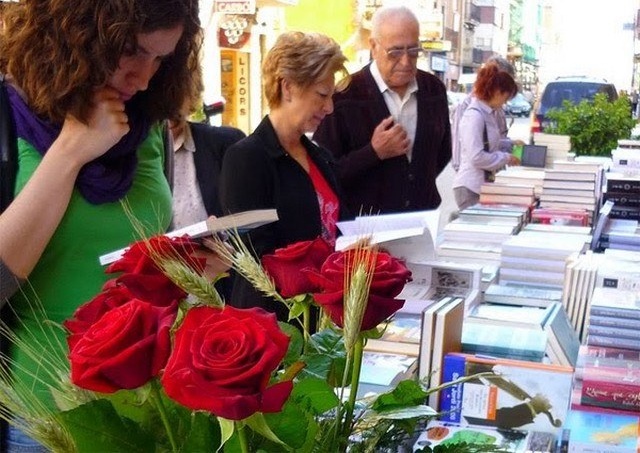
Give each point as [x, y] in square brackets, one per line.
[168, 153]
[8, 149]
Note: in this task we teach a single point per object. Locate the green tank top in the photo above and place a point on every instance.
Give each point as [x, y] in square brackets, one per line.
[68, 273]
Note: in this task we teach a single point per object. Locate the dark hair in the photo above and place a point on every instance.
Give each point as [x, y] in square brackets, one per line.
[491, 80]
[58, 51]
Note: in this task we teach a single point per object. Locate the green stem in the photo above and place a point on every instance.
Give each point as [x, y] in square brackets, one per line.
[242, 438]
[162, 410]
[306, 320]
[355, 380]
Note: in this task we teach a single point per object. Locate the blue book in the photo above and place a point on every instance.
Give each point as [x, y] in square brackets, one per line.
[453, 368]
[598, 432]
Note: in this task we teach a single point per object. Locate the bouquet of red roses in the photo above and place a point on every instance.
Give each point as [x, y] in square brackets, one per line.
[158, 362]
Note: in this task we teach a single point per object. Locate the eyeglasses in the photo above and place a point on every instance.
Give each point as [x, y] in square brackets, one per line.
[397, 53]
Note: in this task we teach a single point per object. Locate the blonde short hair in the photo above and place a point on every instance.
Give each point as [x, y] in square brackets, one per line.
[303, 59]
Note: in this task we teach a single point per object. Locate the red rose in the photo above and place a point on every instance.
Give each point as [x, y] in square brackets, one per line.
[124, 349]
[87, 314]
[222, 362]
[137, 258]
[389, 277]
[285, 264]
[158, 289]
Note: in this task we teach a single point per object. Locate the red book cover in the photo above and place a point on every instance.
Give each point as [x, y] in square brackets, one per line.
[610, 394]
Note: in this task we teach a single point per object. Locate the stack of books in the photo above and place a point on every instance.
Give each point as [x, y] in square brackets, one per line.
[539, 258]
[571, 186]
[624, 192]
[626, 160]
[500, 193]
[558, 146]
[549, 325]
[614, 316]
[580, 279]
[606, 379]
[521, 176]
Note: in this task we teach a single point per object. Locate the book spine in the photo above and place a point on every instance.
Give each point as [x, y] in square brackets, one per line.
[617, 332]
[623, 185]
[622, 198]
[612, 342]
[613, 312]
[562, 446]
[451, 397]
[609, 394]
[624, 212]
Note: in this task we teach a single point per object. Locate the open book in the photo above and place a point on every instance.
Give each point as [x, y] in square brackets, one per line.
[241, 221]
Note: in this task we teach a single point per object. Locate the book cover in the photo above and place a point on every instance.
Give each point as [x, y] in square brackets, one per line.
[606, 321]
[597, 432]
[560, 331]
[241, 221]
[401, 335]
[507, 189]
[381, 372]
[613, 331]
[524, 316]
[625, 212]
[562, 184]
[524, 200]
[569, 175]
[521, 395]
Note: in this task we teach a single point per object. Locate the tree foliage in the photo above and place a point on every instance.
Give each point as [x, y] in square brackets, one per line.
[595, 126]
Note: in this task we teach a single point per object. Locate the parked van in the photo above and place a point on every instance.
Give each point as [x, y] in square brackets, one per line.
[573, 89]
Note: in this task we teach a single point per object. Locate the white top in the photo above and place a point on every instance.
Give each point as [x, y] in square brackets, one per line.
[403, 110]
[474, 160]
[188, 207]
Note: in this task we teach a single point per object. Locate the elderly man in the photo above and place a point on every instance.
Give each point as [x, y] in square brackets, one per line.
[390, 128]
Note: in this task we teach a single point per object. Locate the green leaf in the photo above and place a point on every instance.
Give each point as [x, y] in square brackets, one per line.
[326, 358]
[227, 428]
[296, 309]
[408, 393]
[96, 426]
[296, 342]
[316, 394]
[408, 412]
[204, 433]
[258, 423]
[294, 425]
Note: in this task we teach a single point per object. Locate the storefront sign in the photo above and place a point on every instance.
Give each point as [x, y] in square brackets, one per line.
[235, 88]
[235, 6]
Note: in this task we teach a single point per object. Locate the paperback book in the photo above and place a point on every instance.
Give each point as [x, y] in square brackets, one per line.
[521, 394]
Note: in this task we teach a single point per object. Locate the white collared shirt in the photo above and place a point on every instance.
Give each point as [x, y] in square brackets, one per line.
[403, 110]
[188, 207]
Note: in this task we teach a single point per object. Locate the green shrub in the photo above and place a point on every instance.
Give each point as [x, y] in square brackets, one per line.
[594, 126]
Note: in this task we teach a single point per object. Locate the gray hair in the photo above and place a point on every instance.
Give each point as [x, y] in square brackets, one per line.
[386, 12]
[503, 64]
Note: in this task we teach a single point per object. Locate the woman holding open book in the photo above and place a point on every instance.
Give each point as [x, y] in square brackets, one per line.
[482, 150]
[277, 166]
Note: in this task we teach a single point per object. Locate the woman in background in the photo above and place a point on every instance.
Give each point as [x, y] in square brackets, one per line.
[277, 166]
[482, 150]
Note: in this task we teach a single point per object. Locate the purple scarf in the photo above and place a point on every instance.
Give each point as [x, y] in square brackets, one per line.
[103, 180]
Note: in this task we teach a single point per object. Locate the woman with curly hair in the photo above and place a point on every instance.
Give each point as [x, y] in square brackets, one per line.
[482, 149]
[88, 82]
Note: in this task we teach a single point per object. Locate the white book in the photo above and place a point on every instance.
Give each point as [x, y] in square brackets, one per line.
[240, 221]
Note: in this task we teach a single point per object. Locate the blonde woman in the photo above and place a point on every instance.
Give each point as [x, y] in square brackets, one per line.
[277, 166]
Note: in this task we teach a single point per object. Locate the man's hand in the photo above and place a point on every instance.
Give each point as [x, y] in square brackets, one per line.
[389, 139]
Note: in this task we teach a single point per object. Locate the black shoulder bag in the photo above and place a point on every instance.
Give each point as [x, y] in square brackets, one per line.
[8, 149]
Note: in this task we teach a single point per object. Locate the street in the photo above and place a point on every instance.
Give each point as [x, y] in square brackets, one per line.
[518, 130]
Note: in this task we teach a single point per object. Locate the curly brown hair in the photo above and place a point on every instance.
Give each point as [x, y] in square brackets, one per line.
[304, 59]
[491, 80]
[58, 51]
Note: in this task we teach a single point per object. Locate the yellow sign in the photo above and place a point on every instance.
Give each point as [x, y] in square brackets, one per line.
[234, 73]
[437, 46]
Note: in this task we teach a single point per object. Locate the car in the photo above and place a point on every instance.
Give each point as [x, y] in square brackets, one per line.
[518, 106]
[574, 89]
